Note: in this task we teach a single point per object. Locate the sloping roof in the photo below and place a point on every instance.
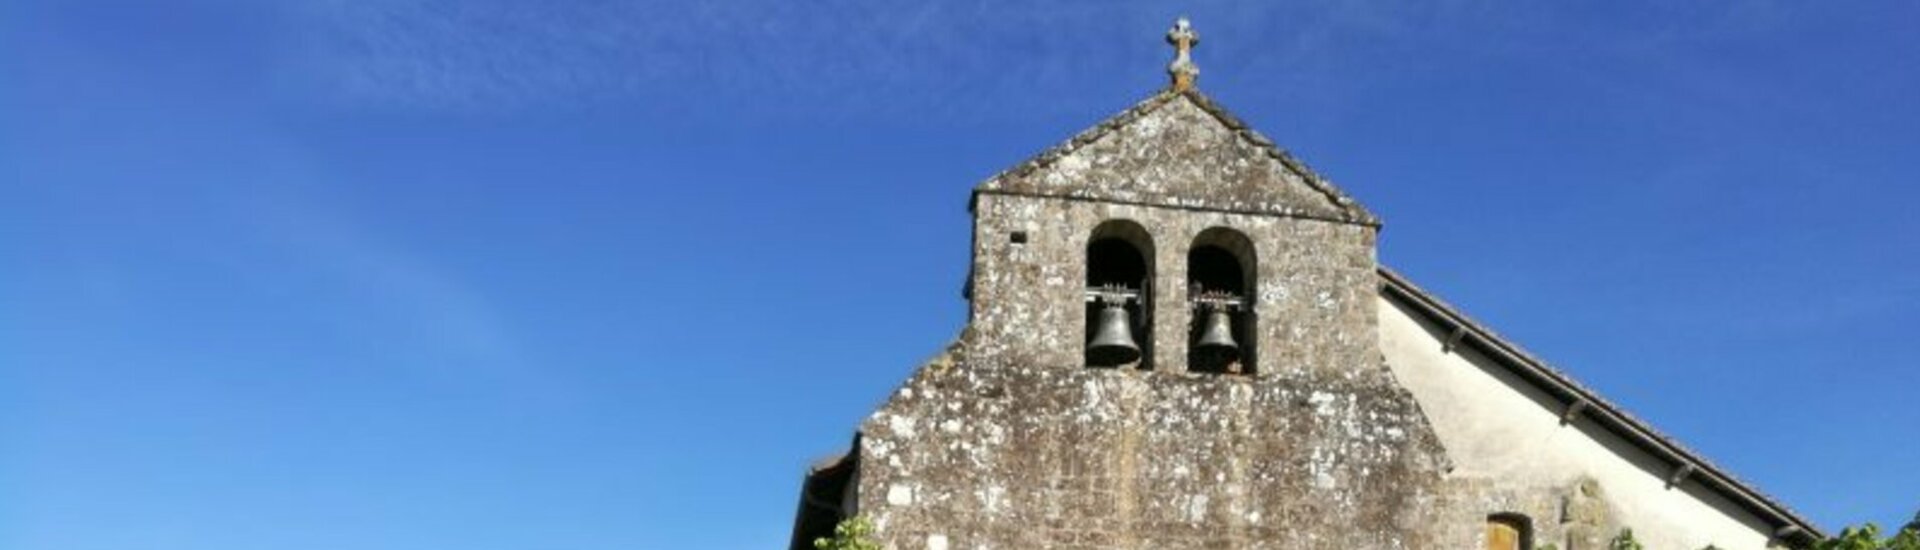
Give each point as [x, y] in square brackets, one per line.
[1256, 195]
[1788, 526]
[821, 491]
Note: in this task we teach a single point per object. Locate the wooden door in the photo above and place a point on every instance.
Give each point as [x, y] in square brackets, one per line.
[1502, 536]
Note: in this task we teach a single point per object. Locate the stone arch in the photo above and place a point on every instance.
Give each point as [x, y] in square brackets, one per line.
[1222, 275]
[1120, 257]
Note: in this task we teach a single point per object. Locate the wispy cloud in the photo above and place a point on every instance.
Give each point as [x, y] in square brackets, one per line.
[890, 57]
[960, 59]
[435, 319]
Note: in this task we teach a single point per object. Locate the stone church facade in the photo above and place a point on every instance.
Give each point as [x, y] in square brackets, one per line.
[1179, 337]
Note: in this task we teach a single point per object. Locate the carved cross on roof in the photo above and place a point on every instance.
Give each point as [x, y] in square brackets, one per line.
[1183, 38]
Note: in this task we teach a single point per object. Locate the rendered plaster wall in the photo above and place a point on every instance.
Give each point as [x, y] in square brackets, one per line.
[1513, 454]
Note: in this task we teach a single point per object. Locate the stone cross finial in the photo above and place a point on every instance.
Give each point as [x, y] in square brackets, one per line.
[1183, 38]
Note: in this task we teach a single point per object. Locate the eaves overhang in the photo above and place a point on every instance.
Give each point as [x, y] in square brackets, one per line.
[1689, 466]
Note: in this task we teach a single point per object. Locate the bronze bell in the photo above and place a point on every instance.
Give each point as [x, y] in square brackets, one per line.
[1216, 337]
[1112, 342]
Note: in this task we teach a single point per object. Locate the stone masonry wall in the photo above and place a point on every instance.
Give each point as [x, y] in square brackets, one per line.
[1009, 442]
[988, 454]
[1179, 149]
[1313, 295]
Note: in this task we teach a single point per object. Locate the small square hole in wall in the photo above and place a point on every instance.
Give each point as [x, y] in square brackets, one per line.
[1018, 237]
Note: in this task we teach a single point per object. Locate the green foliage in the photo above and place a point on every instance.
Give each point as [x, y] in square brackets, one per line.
[854, 533]
[1864, 537]
[1625, 541]
[1867, 537]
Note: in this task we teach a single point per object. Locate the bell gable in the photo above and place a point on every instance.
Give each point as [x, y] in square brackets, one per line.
[1180, 149]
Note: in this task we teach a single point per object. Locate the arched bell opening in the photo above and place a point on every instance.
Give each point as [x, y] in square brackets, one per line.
[1220, 281]
[1118, 296]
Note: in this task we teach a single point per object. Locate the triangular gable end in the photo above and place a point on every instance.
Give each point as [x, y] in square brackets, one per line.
[1180, 149]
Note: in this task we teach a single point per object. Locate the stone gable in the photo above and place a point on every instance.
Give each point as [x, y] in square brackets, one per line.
[1180, 149]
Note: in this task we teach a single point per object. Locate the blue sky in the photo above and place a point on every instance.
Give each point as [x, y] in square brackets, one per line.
[486, 274]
